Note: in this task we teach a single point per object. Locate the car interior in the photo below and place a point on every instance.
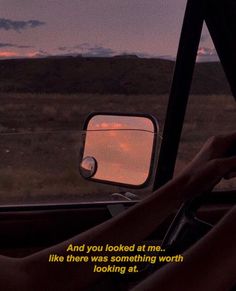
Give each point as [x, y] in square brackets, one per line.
[29, 224]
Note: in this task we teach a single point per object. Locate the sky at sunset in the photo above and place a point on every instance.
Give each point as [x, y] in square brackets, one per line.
[150, 28]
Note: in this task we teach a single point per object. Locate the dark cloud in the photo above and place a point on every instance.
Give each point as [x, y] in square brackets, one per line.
[206, 54]
[88, 50]
[63, 48]
[40, 54]
[100, 51]
[8, 24]
[43, 53]
[12, 45]
[205, 51]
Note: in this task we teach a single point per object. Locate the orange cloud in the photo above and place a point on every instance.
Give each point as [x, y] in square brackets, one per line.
[124, 146]
[108, 125]
[7, 54]
[10, 54]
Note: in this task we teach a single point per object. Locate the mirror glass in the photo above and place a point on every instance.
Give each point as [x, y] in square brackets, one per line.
[119, 149]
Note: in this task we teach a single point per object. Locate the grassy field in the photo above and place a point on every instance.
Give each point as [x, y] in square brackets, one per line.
[41, 138]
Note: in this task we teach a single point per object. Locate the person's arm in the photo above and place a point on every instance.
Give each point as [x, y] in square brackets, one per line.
[133, 225]
[210, 264]
[129, 227]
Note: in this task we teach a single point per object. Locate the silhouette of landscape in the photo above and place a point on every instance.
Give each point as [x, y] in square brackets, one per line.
[43, 103]
[117, 75]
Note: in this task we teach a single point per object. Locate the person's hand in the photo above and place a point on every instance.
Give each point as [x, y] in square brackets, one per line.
[216, 160]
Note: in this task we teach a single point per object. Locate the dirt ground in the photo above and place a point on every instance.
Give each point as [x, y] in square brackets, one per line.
[40, 140]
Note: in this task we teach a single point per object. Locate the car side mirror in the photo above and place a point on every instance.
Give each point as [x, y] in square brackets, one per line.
[119, 149]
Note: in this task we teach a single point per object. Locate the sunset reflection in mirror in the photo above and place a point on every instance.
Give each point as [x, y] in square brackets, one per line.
[122, 147]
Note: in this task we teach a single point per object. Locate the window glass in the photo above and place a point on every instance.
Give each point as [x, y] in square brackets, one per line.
[211, 109]
[61, 60]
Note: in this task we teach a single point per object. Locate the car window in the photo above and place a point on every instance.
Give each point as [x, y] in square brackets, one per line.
[211, 108]
[61, 60]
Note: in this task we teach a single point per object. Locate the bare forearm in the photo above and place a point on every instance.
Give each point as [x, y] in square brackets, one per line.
[129, 227]
[208, 265]
[203, 173]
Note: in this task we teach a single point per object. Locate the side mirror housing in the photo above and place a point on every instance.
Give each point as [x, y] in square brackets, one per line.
[119, 149]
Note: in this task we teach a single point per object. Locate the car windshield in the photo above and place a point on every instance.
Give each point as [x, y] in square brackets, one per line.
[62, 60]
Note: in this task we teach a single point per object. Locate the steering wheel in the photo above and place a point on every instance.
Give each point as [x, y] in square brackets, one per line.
[184, 231]
[185, 228]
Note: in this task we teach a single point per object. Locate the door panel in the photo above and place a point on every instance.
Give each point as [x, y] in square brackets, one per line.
[25, 230]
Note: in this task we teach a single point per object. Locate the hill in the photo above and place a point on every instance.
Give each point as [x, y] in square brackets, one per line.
[104, 76]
